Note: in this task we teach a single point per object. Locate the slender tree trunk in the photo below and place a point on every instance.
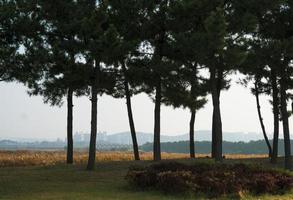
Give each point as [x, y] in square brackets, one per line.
[157, 129]
[191, 134]
[94, 102]
[261, 119]
[217, 135]
[276, 116]
[160, 40]
[285, 121]
[213, 135]
[69, 127]
[130, 116]
[69, 159]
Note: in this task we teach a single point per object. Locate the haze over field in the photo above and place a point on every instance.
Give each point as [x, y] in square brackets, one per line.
[40, 121]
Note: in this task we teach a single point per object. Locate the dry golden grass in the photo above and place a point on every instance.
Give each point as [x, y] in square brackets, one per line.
[45, 158]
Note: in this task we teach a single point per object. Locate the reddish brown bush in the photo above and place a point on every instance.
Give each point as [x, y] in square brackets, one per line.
[174, 181]
[211, 179]
[142, 178]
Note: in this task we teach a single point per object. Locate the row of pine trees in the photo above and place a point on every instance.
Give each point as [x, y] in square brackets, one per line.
[176, 51]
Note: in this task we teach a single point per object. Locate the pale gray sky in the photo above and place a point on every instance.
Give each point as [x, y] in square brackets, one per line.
[28, 117]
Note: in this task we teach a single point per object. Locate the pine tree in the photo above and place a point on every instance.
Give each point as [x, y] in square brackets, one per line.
[225, 40]
[53, 52]
[276, 33]
[191, 88]
[128, 38]
[263, 63]
[255, 69]
[100, 40]
[155, 66]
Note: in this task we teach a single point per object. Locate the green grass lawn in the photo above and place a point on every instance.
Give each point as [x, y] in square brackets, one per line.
[74, 182]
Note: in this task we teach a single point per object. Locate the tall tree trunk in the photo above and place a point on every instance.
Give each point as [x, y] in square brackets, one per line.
[157, 128]
[261, 119]
[94, 102]
[191, 134]
[285, 121]
[213, 135]
[217, 135]
[276, 116]
[130, 116]
[69, 127]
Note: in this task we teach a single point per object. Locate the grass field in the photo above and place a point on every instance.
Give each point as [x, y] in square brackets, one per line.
[49, 158]
[59, 181]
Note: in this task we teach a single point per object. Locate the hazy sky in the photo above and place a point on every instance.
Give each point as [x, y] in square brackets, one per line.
[28, 117]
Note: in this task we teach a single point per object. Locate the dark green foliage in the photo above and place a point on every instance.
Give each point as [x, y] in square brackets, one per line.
[212, 179]
[44, 39]
[14, 31]
[9, 41]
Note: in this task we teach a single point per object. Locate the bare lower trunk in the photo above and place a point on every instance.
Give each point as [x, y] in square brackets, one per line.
[69, 127]
[191, 134]
[285, 121]
[157, 129]
[217, 135]
[92, 147]
[276, 116]
[261, 119]
[213, 136]
[131, 122]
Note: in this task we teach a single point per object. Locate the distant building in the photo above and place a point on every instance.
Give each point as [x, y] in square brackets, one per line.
[77, 137]
[85, 137]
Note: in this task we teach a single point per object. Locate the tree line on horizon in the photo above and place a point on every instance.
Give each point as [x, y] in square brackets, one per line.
[176, 51]
[257, 147]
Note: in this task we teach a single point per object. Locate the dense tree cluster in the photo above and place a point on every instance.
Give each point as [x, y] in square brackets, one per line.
[162, 48]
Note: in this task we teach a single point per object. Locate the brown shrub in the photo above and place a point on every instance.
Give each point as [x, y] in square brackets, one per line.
[212, 179]
[174, 181]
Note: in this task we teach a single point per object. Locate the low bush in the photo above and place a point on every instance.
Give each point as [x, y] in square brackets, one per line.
[212, 179]
[174, 181]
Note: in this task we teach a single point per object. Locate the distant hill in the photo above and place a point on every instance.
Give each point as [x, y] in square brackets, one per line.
[123, 140]
[142, 138]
